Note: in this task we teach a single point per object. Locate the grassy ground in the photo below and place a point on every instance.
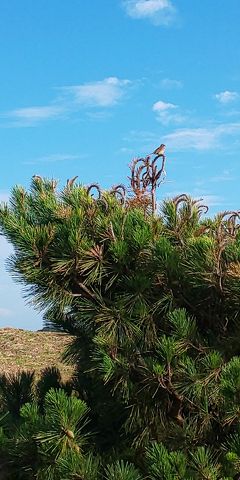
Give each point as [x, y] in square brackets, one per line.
[25, 350]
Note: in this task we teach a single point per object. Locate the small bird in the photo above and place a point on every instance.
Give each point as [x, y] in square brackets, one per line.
[159, 152]
[37, 177]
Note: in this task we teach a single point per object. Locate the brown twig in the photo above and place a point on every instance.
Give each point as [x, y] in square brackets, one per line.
[145, 179]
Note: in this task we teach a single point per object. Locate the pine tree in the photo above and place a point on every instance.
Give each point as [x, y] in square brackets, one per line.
[152, 299]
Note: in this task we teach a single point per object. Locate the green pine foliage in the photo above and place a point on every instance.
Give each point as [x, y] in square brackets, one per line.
[153, 303]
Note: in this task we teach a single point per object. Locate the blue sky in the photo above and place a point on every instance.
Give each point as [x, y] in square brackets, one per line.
[88, 85]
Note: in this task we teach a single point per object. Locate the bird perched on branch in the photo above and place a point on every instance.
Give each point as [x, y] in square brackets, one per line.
[37, 177]
[159, 152]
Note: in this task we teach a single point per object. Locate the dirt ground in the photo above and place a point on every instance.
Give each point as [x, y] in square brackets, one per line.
[27, 350]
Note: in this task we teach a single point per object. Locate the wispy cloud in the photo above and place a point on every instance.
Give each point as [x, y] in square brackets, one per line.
[4, 196]
[104, 93]
[144, 140]
[101, 94]
[99, 114]
[5, 249]
[166, 112]
[223, 137]
[5, 312]
[126, 150]
[54, 157]
[226, 97]
[225, 176]
[170, 84]
[159, 12]
[212, 200]
[201, 139]
[35, 114]
[139, 142]
[191, 139]
[209, 199]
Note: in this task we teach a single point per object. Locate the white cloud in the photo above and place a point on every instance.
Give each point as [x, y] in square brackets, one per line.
[141, 136]
[54, 157]
[101, 94]
[169, 83]
[57, 157]
[201, 138]
[166, 112]
[4, 196]
[225, 176]
[223, 136]
[161, 106]
[207, 199]
[99, 114]
[160, 12]
[5, 249]
[104, 93]
[36, 114]
[141, 141]
[211, 200]
[191, 139]
[226, 97]
[126, 150]
[5, 312]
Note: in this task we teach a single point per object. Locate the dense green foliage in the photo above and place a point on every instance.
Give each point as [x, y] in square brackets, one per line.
[153, 303]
